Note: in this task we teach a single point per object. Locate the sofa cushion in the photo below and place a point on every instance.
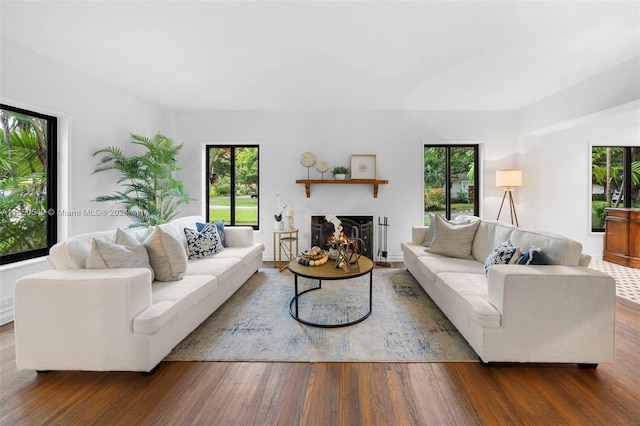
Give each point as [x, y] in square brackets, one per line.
[172, 298]
[453, 239]
[503, 254]
[204, 242]
[559, 250]
[490, 233]
[104, 255]
[434, 264]
[468, 294]
[246, 254]
[213, 265]
[166, 255]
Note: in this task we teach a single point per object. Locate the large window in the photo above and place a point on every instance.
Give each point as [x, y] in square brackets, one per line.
[232, 184]
[27, 184]
[450, 180]
[615, 180]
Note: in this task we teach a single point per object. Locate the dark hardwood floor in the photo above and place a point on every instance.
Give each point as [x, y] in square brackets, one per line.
[227, 393]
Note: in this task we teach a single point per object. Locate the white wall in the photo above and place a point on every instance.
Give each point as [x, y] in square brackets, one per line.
[91, 116]
[397, 138]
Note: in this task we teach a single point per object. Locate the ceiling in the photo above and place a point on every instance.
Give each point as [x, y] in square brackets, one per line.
[331, 55]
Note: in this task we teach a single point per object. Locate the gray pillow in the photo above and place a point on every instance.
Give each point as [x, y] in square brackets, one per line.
[166, 255]
[431, 232]
[103, 255]
[453, 239]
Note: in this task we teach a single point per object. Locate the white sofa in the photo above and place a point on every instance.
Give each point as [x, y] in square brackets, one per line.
[562, 312]
[73, 318]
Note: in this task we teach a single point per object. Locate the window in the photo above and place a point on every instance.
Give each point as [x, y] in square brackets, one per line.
[450, 180]
[232, 184]
[27, 184]
[615, 180]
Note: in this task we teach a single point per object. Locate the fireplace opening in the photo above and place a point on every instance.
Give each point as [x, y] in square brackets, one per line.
[322, 232]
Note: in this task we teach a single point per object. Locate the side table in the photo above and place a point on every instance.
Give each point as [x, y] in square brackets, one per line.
[286, 242]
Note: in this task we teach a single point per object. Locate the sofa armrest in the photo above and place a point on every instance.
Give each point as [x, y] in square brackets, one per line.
[79, 311]
[555, 306]
[419, 234]
[238, 236]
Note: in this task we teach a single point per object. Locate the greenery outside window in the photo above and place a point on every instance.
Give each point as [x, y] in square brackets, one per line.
[27, 184]
[615, 181]
[232, 184]
[451, 180]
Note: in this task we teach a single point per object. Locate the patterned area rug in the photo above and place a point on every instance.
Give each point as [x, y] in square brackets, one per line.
[255, 325]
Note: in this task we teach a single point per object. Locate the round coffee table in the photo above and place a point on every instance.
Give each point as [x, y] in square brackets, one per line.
[328, 272]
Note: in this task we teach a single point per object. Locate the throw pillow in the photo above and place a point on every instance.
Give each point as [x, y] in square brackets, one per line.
[219, 228]
[533, 256]
[431, 232]
[103, 255]
[126, 239]
[204, 243]
[504, 254]
[166, 255]
[453, 239]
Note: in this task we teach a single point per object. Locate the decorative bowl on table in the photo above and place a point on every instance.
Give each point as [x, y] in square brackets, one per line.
[314, 257]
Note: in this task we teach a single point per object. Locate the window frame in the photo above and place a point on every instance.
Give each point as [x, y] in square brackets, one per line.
[447, 189]
[51, 186]
[626, 176]
[232, 172]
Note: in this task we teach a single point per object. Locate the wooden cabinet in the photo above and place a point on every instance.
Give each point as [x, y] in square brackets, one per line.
[622, 237]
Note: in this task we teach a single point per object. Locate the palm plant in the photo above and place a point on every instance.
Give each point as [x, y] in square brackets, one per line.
[150, 194]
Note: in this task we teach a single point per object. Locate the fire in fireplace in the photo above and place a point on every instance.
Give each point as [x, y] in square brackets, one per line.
[322, 231]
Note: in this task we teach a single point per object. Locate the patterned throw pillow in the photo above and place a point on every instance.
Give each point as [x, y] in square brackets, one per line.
[203, 243]
[219, 227]
[504, 254]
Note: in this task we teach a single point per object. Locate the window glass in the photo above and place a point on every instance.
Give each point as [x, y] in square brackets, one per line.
[450, 180]
[233, 184]
[27, 184]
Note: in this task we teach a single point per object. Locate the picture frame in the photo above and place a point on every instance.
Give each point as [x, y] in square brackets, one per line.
[364, 166]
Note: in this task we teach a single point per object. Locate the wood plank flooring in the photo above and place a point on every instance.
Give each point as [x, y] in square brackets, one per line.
[227, 393]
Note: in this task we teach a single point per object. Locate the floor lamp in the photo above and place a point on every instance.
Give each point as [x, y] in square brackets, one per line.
[509, 179]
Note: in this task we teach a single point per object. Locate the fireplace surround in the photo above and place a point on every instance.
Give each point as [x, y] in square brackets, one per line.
[322, 231]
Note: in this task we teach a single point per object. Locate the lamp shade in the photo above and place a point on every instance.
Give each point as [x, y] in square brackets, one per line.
[509, 178]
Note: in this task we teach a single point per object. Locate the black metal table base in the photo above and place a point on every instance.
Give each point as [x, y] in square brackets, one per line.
[296, 316]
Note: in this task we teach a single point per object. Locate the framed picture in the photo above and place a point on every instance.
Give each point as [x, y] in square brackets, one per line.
[364, 167]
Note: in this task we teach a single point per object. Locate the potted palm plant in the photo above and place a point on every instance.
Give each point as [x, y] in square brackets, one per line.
[150, 193]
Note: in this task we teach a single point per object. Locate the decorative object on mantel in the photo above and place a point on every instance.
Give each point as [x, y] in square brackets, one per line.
[509, 179]
[364, 167]
[308, 159]
[279, 225]
[322, 167]
[375, 182]
[382, 242]
[340, 172]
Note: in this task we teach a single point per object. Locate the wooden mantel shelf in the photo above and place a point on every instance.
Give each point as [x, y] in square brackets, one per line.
[375, 182]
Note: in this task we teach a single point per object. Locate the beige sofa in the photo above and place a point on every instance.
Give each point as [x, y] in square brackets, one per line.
[562, 312]
[74, 318]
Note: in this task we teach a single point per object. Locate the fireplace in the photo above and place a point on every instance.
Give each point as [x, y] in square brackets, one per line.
[322, 231]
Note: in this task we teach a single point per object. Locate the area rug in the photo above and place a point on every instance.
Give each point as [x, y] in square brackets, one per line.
[255, 324]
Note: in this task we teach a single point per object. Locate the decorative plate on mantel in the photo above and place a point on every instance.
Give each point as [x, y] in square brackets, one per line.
[322, 166]
[308, 159]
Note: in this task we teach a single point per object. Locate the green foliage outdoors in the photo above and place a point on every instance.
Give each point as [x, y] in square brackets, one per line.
[150, 194]
[434, 199]
[23, 183]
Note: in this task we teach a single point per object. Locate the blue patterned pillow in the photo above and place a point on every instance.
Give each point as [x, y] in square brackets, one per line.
[203, 243]
[501, 255]
[533, 256]
[219, 227]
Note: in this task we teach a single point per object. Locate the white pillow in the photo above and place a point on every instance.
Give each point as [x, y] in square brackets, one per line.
[103, 255]
[431, 232]
[166, 255]
[453, 239]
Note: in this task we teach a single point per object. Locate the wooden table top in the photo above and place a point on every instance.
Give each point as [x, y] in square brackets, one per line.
[328, 271]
